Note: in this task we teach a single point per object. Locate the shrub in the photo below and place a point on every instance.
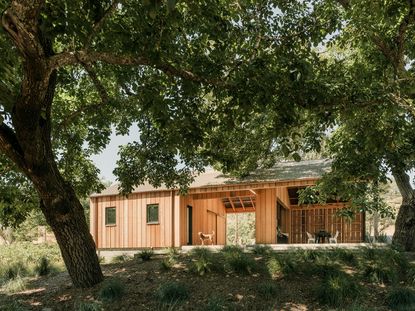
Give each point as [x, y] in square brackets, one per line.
[214, 304]
[274, 267]
[346, 256]
[173, 252]
[327, 270]
[232, 249]
[267, 290]
[379, 272]
[146, 254]
[120, 258]
[203, 260]
[88, 306]
[401, 298]
[43, 267]
[262, 250]
[337, 290]
[172, 292]
[308, 255]
[111, 290]
[15, 285]
[288, 264]
[166, 264]
[239, 262]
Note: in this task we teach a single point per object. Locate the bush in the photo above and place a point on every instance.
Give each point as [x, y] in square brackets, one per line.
[203, 260]
[274, 268]
[172, 292]
[146, 254]
[379, 272]
[401, 298]
[166, 264]
[88, 306]
[111, 290]
[337, 290]
[239, 262]
[262, 250]
[43, 267]
[267, 290]
[346, 256]
[215, 304]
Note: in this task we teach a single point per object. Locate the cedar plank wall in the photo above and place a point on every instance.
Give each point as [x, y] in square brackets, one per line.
[208, 214]
[131, 229]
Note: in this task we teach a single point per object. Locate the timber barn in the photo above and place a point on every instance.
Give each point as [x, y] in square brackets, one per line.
[161, 217]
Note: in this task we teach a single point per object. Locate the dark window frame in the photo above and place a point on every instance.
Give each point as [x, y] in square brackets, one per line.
[152, 222]
[107, 209]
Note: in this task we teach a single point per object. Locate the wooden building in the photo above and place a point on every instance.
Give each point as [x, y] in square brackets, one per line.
[160, 217]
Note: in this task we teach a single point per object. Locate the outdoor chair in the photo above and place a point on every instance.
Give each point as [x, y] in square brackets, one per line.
[334, 238]
[310, 238]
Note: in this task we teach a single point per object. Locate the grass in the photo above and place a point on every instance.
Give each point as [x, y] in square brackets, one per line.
[203, 260]
[172, 292]
[215, 304]
[337, 290]
[88, 306]
[262, 250]
[401, 299]
[239, 262]
[146, 254]
[267, 290]
[111, 290]
[120, 258]
[15, 285]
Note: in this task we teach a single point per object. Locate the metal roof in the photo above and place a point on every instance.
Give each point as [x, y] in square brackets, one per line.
[280, 172]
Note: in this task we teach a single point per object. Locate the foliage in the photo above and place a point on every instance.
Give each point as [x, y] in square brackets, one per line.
[214, 304]
[88, 306]
[172, 292]
[43, 268]
[240, 228]
[16, 284]
[274, 267]
[261, 249]
[267, 290]
[238, 261]
[203, 260]
[111, 290]
[120, 258]
[146, 254]
[337, 290]
[401, 299]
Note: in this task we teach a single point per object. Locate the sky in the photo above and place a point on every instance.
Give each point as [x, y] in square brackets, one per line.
[106, 160]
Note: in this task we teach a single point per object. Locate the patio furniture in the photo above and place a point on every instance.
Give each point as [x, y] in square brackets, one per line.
[322, 235]
[334, 239]
[310, 238]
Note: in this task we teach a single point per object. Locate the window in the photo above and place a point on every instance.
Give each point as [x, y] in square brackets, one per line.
[110, 216]
[152, 213]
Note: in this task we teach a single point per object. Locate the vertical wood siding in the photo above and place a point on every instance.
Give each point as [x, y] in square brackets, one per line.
[131, 229]
[265, 216]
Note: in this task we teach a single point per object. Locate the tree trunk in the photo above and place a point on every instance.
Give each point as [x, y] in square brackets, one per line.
[404, 235]
[65, 215]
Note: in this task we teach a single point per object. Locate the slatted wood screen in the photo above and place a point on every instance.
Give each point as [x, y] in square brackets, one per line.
[316, 218]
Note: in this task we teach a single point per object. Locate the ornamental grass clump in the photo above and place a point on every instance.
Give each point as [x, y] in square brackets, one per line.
[337, 290]
[237, 261]
[111, 290]
[172, 292]
[401, 299]
[267, 290]
[262, 250]
[146, 254]
[202, 261]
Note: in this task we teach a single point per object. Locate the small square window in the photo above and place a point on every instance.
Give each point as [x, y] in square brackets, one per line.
[152, 213]
[110, 216]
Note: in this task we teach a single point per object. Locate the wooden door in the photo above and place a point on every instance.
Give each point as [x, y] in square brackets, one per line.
[212, 224]
[221, 230]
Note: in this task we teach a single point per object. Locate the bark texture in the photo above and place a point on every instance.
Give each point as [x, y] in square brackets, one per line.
[28, 143]
[404, 235]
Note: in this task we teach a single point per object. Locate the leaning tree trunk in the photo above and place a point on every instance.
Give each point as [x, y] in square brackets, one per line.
[404, 235]
[27, 142]
[65, 214]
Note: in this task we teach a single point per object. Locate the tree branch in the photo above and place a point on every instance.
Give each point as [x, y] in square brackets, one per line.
[400, 39]
[98, 85]
[99, 24]
[87, 57]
